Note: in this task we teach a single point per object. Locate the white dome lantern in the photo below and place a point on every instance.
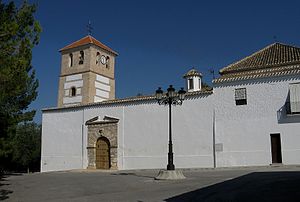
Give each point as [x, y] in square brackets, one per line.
[193, 80]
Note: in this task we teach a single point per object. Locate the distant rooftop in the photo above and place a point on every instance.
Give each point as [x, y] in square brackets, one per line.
[88, 40]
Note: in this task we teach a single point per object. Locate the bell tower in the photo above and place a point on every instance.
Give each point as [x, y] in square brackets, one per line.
[87, 73]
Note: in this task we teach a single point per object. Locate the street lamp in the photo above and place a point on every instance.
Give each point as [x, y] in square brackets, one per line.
[171, 98]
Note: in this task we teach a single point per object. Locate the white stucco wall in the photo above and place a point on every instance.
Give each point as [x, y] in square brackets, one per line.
[245, 130]
[146, 135]
[142, 135]
[62, 137]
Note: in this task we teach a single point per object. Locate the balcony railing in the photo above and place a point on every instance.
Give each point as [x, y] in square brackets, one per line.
[288, 113]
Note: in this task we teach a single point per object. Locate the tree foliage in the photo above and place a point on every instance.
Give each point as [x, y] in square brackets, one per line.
[27, 146]
[19, 33]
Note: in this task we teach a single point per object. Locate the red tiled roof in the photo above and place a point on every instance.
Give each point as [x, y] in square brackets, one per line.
[274, 55]
[88, 40]
[272, 61]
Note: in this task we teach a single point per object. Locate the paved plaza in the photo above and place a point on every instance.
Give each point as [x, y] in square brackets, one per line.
[280, 183]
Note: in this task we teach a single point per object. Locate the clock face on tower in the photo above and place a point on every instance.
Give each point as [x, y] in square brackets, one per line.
[103, 59]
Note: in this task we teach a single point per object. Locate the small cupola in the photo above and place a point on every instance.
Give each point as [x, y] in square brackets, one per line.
[193, 80]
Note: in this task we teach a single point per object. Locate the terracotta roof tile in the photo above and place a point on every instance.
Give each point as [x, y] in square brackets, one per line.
[192, 72]
[88, 40]
[276, 54]
[274, 60]
[260, 73]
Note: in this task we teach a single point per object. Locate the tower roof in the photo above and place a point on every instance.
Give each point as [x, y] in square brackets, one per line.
[88, 40]
[192, 72]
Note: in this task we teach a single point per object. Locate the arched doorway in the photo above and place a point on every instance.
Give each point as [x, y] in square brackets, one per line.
[102, 153]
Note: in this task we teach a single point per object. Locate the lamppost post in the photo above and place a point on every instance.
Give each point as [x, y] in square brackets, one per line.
[170, 165]
[170, 98]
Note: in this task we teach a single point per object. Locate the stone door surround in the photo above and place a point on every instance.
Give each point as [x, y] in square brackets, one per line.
[108, 128]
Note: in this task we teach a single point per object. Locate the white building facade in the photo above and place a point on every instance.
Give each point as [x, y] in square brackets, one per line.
[250, 118]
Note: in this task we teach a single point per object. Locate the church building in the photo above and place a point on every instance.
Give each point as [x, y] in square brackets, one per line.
[250, 117]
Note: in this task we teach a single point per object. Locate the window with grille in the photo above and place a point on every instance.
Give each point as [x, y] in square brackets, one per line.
[240, 96]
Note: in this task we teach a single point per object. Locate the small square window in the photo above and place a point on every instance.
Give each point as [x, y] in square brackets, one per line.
[240, 96]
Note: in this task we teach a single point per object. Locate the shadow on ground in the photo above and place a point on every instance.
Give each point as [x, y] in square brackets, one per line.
[257, 186]
[4, 193]
[133, 174]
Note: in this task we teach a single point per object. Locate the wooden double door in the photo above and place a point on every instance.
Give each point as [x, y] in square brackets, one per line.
[102, 153]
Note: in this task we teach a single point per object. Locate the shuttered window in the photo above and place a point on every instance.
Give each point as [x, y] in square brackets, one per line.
[295, 97]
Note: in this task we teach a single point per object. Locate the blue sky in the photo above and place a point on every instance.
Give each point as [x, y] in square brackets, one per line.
[159, 41]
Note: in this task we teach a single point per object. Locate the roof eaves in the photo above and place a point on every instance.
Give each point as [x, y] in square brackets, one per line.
[260, 73]
[123, 101]
[90, 40]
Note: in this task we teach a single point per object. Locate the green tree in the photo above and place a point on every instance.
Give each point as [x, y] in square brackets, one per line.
[27, 146]
[19, 33]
